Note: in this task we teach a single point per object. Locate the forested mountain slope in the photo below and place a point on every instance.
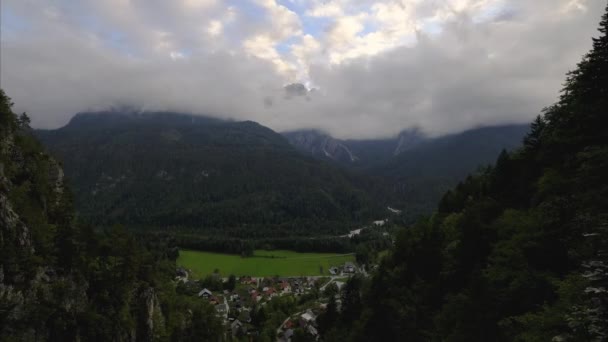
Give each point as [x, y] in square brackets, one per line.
[420, 175]
[417, 170]
[518, 252]
[60, 281]
[159, 170]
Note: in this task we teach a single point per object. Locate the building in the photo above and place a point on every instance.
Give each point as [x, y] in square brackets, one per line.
[285, 287]
[270, 292]
[307, 318]
[349, 267]
[237, 328]
[222, 309]
[205, 293]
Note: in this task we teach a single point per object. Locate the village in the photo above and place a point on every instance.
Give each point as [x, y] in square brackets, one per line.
[234, 305]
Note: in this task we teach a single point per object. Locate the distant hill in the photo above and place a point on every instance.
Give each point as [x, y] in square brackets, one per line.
[418, 169]
[169, 170]
[421, 175]
[353, 153]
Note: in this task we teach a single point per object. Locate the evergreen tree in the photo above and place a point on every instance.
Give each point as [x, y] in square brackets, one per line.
[517, 252]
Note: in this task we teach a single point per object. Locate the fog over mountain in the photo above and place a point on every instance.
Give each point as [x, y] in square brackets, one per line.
[355, 69]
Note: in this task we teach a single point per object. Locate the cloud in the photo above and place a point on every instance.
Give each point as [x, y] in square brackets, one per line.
[377, 66]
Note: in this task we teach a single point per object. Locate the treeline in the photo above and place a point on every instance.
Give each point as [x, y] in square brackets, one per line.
[64, 281]
[371, 240]
[518, 252]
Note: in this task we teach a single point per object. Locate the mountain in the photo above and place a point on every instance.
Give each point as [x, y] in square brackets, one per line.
[420, 175]
[190, 173]
[417, 169]
[320, 145]
[60, 281]
[408, 140]
[353, 152]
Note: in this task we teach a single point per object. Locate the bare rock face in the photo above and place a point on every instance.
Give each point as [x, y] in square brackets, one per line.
[150, 318]
[12, 230]
[56, 177]
[407, 140]
[319, 144]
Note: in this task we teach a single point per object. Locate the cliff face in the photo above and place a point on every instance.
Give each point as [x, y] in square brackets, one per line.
[24, 284]
[51, 288]
[320, 145]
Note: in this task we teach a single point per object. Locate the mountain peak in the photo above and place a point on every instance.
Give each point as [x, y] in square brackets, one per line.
[408, 139]
[319, 144]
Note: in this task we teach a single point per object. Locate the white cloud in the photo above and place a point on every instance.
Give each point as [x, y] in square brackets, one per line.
[215, 28]
[379, 66]
[326, 9]
[285, 23]
[199, 4]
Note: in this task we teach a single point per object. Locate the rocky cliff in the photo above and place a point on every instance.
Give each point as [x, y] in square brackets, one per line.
[60, 282]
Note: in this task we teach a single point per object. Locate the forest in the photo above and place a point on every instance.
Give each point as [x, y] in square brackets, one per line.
[516, 252]
[62, 280]
[206, 177]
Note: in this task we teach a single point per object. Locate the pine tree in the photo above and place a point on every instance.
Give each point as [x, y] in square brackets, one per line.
[533, 138]
[581, 114]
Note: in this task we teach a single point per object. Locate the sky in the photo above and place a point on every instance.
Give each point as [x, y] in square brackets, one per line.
[352, 68]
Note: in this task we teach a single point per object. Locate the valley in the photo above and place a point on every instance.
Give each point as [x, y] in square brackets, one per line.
[448, 220]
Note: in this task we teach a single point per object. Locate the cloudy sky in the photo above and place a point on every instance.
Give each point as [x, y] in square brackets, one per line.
[373, 68]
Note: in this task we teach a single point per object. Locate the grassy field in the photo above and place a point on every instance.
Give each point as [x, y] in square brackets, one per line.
[262, 264]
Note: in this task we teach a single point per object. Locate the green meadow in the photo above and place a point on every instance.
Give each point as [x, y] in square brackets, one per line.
[263, 263]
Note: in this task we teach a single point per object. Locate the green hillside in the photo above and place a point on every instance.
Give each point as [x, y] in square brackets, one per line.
[61, 281]
[166, 170]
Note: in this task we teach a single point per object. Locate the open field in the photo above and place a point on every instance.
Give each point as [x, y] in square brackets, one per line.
[262, 264]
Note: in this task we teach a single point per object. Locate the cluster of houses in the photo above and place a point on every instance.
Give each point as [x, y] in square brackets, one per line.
[306, 320]
[347, 269]
[234, 307]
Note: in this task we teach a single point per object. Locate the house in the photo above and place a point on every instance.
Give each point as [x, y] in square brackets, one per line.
[307, 318]
[288, 325]
[270, 292]
[222, 309]
[284, 287]
[181, 275]
[334, 270]
[213, 300]
[234, 297]
[248, 281]
[349, 267]
[312, 330]
[237, 328]
[205, 293]
[288, 334]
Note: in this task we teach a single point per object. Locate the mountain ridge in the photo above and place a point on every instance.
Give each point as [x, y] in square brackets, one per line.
[416, 169]
[168, 169]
